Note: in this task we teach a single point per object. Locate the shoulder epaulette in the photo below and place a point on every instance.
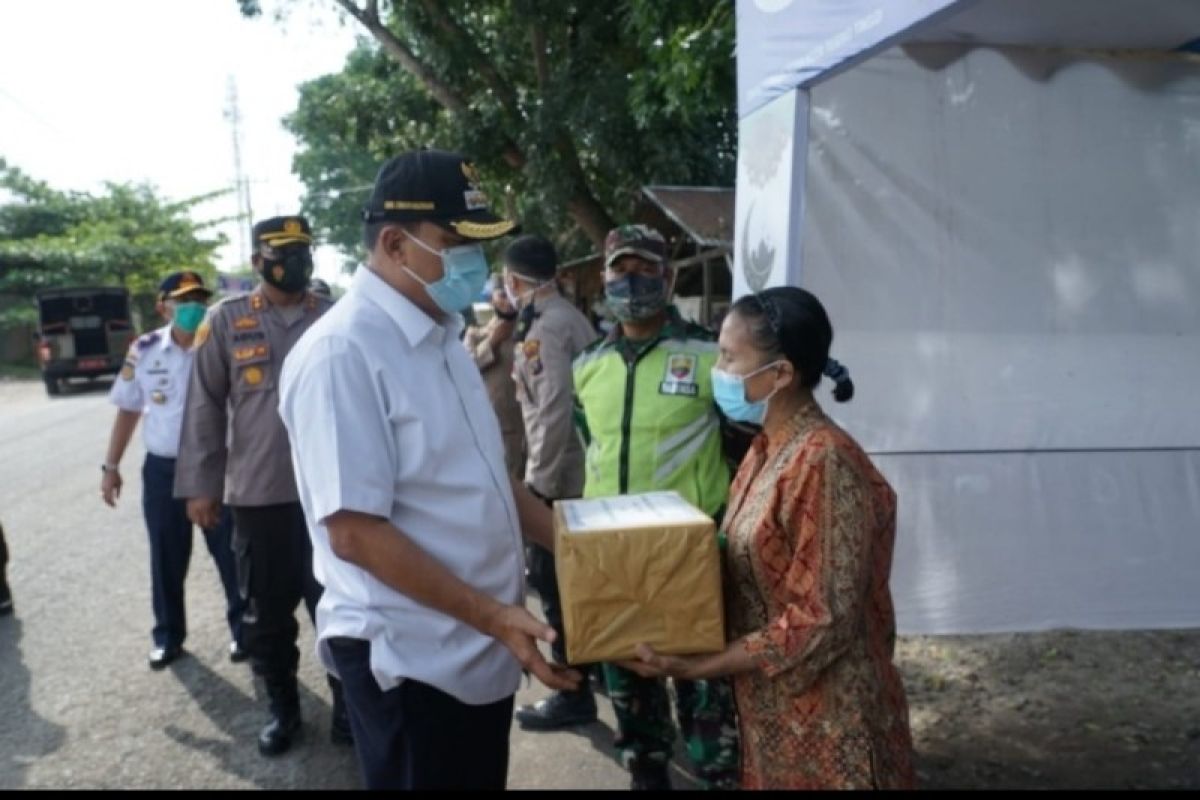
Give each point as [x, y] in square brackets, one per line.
[147, 339]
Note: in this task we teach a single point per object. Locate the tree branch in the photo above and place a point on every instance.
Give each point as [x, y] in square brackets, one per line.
[541, 66]
[369, 18]
[462, 38]
[392, 45]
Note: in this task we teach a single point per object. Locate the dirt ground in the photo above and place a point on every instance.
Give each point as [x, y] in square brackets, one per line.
[1057, 710]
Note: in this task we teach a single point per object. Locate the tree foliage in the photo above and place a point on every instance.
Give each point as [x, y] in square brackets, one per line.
[567, 106]
[125, 235]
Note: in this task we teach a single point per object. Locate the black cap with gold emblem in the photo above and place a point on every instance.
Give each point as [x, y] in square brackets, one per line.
[280, 231]
[435, 186]
[177, 284]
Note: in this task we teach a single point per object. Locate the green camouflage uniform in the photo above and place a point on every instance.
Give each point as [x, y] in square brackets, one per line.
[706, 720]
[705, 709]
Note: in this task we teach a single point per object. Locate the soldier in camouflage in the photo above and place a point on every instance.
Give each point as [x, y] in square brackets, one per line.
[647, 412]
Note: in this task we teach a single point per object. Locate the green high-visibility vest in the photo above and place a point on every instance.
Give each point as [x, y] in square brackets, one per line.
[650, 422]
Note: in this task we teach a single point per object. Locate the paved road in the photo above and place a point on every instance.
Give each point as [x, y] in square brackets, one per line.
[78, 706]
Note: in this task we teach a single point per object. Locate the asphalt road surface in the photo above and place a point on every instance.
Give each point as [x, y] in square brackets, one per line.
[79, 708]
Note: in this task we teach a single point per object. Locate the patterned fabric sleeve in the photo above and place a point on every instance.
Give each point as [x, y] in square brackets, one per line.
[824, 586]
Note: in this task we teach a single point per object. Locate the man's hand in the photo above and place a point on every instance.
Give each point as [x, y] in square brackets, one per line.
[518, 630]
[204, 511]
[110, 487]
[502, 331]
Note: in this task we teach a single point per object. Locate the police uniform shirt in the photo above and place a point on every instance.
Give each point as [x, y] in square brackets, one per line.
[233, 445]
[388, 416]
[153, 382]
[542, 371]
[495, 364]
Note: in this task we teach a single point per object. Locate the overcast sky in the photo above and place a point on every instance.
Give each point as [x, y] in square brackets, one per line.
[136, 90]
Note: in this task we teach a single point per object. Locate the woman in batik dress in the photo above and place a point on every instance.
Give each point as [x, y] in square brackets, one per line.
[809, 532]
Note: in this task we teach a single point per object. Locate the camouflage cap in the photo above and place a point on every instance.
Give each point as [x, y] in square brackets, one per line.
[635, 240]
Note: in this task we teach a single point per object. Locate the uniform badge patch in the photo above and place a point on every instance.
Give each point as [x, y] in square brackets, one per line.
[158, 397]
[252, 375]
[245, 323]
[531, 348]
[248, 352]
[680, 377]
[202, 333]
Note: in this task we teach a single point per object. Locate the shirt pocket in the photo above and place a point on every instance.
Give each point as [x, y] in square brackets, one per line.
[252, 369]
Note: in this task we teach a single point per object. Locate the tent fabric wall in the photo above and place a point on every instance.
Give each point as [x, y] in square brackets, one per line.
[1010, 266]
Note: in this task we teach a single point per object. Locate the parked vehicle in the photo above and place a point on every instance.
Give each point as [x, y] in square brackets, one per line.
[82, 333]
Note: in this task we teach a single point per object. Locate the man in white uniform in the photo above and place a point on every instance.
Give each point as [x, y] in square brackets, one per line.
[415, 522]
[153, 386]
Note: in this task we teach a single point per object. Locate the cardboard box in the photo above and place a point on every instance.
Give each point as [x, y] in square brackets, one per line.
[637, 568]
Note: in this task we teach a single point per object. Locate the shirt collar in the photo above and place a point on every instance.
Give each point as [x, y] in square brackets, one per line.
[164, 337]
[412, 321]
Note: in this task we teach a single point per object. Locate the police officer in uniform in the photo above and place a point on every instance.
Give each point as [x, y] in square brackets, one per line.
[491, 347]
[152, 386]
[234, 444]
[550, 334]
[651, 424]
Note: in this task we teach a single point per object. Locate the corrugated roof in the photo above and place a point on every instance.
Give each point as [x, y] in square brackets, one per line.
[704, 213]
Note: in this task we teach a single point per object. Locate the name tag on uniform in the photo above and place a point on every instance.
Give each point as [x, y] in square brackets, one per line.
[249, 351]
[249, 336]
[680, 376]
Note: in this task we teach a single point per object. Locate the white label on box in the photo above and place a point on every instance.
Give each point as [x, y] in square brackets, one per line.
[630, 511]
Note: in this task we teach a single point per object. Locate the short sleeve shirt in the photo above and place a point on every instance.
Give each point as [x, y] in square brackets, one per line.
[387, 415]
[153, 382]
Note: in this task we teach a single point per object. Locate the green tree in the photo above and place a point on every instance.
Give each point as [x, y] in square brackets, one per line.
[567, 106]
[125, 235]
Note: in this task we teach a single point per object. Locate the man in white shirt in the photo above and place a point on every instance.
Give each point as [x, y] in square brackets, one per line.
[416, 524]
[152, 387]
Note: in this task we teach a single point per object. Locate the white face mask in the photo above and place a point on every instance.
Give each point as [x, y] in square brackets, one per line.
[520, 299]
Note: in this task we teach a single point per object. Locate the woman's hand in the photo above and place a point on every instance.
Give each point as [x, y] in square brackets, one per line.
[651, 664]
[733, 660]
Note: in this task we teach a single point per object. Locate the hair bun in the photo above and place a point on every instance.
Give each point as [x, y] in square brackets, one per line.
[837, 372]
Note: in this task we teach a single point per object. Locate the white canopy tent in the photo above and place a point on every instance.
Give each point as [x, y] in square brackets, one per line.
[999, 203]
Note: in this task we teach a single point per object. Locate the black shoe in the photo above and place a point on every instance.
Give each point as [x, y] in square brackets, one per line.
[559, 710]
[236, 654]
[161, 656]
[277, 737]
[648, 775]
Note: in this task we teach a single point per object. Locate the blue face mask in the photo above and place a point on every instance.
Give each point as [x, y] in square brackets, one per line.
[729, 391]
[465, 273]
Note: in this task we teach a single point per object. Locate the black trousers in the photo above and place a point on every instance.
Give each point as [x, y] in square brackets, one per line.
[417, 737]
[274, 566]
[171, 536]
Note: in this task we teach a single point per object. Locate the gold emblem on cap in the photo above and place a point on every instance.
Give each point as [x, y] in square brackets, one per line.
[470, 172]
[293, 227]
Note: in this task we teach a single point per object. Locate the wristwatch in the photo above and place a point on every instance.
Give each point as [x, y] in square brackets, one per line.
[109, 468]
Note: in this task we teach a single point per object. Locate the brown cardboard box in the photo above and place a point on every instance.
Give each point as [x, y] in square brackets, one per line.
[637, 568]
